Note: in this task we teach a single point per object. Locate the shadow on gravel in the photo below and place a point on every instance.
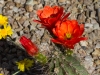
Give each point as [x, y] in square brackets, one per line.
[10, 54]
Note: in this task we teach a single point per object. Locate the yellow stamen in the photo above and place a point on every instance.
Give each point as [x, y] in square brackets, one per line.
[68, 35]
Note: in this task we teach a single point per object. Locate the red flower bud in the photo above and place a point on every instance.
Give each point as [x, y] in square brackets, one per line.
[30, 47]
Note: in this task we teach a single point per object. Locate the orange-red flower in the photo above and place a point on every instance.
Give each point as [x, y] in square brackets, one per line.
[30, 47]
[68, 33]
[50, 15]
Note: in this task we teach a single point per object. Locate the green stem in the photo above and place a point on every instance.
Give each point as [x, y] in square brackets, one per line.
[13, 42]
[41, 58]
[69, 52]
[16, 73]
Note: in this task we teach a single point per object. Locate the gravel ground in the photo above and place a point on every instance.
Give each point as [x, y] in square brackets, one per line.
[21, 13]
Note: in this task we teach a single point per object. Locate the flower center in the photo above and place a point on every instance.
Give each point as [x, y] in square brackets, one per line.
[68, 36]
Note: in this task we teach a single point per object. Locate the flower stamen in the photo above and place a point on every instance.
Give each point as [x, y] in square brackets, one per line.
[68, 36]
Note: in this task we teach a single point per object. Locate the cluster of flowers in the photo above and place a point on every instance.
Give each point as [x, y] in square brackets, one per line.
[5, 29]
[30, 48]
[67, 32]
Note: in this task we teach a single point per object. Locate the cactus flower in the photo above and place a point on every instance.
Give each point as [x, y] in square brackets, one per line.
[68, 33]
[32, 50]
[30, 47]
[49, 16]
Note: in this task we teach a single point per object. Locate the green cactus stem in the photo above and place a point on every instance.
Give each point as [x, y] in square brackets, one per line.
[62, 64]
[41, 58]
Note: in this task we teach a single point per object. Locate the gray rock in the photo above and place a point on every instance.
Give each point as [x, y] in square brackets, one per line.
[88, 3]
[15, 9]
[84, 43]
[23, 1]
[17, 1]
[26, 23]
[97, 5]
[89, 58]
[97, 45]
[30, 2]
[4, 71]
[0, 10]
[99, 14]
[90, 7]
[14, 35]
[40, 33]
[2, 2]
[89, 64]
[27, 15]
[88, 25]
[33, 38]
[93, 14]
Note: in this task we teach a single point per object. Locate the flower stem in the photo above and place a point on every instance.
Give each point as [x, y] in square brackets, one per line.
[16, 73]
[69, 52]
[9, 39]
[41, 58]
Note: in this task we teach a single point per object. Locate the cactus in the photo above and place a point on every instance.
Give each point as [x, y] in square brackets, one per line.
[62, 64]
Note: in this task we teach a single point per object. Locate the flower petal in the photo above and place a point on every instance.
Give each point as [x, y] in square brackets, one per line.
[30, 47]
[81, 29]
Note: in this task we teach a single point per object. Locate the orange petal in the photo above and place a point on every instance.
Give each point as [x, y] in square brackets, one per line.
[55, 41]
[57, 31]
[60, 35]
[70, 27]
[47, 11]
[83, 38]
[54, 32]
[74, 22]
[51, 21]
[64, 28]
[39, 12]
[76, 31]
[56, 9]
[81, 29]
[37, 21]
